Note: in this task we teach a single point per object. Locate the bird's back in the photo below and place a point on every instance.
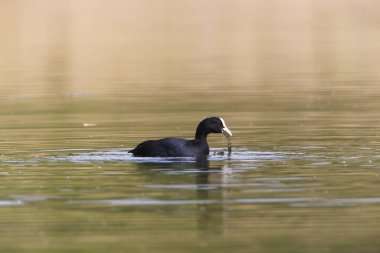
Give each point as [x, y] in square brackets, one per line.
[170, 147]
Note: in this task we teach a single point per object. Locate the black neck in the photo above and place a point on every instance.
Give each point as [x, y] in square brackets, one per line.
[200, 134]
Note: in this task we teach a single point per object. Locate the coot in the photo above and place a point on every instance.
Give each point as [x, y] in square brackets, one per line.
[175, 147]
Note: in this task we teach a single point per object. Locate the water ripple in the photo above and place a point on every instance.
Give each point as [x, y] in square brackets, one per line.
[216, 154]
[11, 203]
[295, 202]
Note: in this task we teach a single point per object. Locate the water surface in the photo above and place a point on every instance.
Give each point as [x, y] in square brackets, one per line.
[297, 82]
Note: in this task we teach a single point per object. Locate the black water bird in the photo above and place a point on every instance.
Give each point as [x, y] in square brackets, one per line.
[175, 147]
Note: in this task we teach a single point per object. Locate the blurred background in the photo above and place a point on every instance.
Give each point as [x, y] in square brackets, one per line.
[125, 48]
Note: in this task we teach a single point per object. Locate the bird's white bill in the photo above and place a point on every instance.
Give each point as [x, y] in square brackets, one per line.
[226, 131]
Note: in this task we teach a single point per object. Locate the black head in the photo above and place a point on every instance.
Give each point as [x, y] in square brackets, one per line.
[212, 125]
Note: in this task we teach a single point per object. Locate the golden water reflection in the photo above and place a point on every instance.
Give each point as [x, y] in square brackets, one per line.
[103, 47]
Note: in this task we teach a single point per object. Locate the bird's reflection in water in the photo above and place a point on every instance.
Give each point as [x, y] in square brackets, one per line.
[210, 217]
[209, 182]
